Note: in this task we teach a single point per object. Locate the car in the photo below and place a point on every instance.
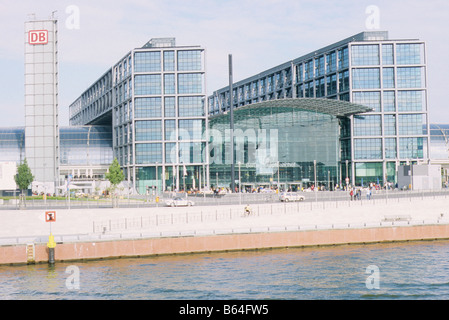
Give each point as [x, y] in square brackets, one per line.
[179, 202]
[291, 196]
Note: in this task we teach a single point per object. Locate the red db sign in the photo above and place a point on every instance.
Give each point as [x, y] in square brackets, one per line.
[38, 37]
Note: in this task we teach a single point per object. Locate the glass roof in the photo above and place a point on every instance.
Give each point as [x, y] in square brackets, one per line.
[328, 106]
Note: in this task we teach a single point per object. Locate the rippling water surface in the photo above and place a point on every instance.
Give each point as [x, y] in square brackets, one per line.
[416, 270]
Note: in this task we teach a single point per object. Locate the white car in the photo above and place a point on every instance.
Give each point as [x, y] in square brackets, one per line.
[291, 196]
[178, 202]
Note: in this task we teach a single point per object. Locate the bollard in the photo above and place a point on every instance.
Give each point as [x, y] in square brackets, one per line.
[51, 244]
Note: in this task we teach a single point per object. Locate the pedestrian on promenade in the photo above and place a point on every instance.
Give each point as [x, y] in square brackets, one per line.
[351, 193]
[359, 194]
[368, 193]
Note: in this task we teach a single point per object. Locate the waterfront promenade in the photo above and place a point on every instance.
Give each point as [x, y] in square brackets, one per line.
[73, 226]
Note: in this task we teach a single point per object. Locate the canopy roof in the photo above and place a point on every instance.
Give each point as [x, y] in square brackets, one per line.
[322, 105]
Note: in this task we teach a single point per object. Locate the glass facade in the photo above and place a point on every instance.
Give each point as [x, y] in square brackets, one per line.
[12, 144]
[292, 146]
[154, 98]
[302, 138]
[388, 76]
[169, 117]
[439, 140]
[86, 146]
[79, 145]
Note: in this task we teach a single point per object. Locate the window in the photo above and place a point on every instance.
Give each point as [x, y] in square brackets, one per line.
[389, 125]
[343, 81]
[148, 107]
[366, 78]
[309, 90]
[191, 152]
[411, 124]
[190, 107]
[369, 99]
[169, 84]
[169, 107]
[309, 66]
[189, 60]
[147, 61]
[387, 54]
[191, 129]
[190, 83]
[147, 84]
[410, 77]
[320, 88]
[411, 101]
[148, 153]
[389, 101]
[148, 130]
[368, 149]
[331, 84]
[170, 129]
[409, 54]
[320, 66]
[388, 78]
[170, 153]
[331, 62]
[367, 125]
[343, 58]
[411, 148]
[390, 148]
[169, 61]
[365, 55]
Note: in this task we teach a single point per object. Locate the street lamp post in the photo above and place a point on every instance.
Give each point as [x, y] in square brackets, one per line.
[231, 115]
[314, 175]
[240, 185]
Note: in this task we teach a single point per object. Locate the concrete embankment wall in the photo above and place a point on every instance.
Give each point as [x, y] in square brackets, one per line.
[16, 254]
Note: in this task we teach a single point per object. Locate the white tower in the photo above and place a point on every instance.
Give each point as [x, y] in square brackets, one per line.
[41, 101]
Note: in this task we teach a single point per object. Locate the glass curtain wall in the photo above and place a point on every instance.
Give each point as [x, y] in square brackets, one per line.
[169, 120]
[285, 147]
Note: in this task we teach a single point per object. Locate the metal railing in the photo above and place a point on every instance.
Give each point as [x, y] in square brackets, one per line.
[215, 200]
[225, 214]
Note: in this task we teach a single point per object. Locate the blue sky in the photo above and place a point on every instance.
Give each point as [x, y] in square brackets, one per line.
[260, 34]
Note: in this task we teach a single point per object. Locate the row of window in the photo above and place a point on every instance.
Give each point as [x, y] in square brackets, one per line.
[152, 107]
[151, 130]
[325, 64]
[409, 148]
[155, 61]
[407, 100]
[406, 77]
[369, 55]
[183, 152]
[366, 78]
[151, 84]
[403, 124]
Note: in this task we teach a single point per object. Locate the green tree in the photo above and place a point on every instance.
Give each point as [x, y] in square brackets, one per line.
[115, 176]
[23, 179]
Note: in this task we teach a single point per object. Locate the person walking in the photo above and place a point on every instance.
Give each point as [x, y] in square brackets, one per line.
[351, 193]
[368, 194]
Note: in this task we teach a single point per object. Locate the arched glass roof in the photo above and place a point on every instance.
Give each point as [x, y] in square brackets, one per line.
[327, 106]
[86, 145]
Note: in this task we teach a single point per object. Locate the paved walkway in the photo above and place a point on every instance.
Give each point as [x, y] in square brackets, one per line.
[22, 226]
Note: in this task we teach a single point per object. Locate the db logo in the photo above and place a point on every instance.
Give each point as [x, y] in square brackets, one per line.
[38, 37]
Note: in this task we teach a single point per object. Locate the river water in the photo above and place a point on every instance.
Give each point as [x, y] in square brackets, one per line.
[406, 271]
